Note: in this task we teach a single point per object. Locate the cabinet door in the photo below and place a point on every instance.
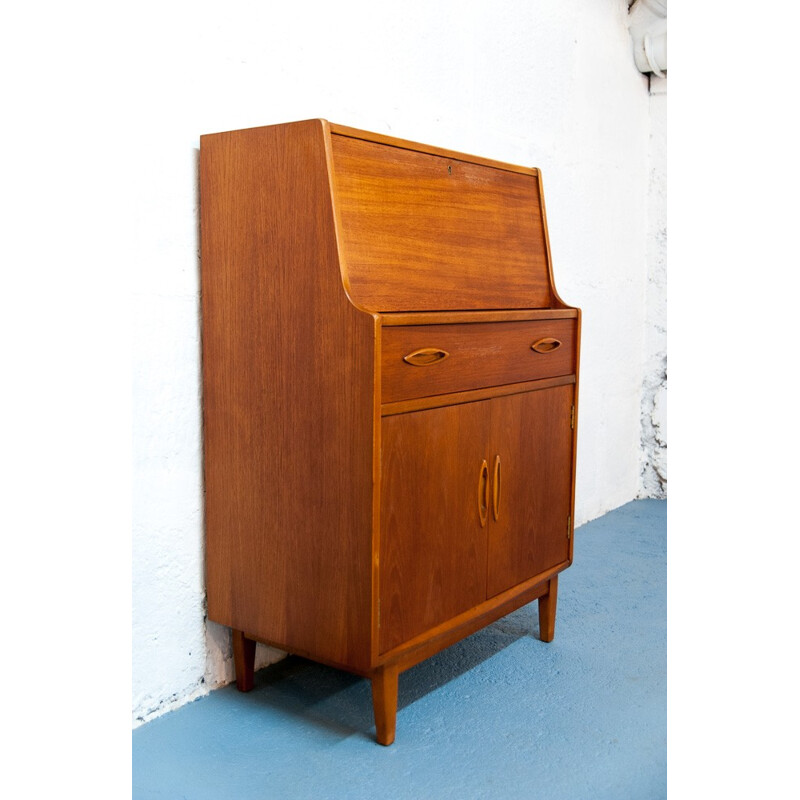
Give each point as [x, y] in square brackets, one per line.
[433, 546]
[532, 435]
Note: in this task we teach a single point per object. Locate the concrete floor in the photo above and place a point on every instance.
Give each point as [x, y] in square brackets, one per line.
[498, 715]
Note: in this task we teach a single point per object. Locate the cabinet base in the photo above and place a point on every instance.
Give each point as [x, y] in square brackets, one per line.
[384, 702]
[244, 660]
[547, 611]
[384, 679]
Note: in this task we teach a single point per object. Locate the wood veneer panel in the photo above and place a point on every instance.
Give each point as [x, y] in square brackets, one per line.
[575, 415]
[532, 435]
[478, 355]
[407, 144]
[288, 400]
[438, 400]
[424, 232]
[433, 548]
[436, 639]
[448, 317]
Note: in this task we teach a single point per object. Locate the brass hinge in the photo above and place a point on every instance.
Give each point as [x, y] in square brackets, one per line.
[572, 418]
[569, 526]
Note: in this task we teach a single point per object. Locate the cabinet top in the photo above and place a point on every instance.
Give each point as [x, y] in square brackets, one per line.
[393, 141]
[417, 227]
[405, 144]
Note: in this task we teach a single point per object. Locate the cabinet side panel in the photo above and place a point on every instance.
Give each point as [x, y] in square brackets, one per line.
[288, 382]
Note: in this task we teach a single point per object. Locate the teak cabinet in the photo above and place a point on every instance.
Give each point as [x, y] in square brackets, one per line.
[390, 391]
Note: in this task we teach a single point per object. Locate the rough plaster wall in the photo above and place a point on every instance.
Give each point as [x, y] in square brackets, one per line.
[549, 83]
[654, 390]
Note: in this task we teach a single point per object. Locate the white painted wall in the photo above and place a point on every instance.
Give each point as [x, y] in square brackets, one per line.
[654, 389]
[547, 83]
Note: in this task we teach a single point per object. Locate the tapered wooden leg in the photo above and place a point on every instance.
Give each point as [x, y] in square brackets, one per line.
[547, 611]
[384, 702]
[244, 660]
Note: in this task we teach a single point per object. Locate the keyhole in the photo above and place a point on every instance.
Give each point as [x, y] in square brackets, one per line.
[449, 169]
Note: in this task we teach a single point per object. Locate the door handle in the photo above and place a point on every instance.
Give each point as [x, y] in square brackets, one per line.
[483, 493]
[496, 488]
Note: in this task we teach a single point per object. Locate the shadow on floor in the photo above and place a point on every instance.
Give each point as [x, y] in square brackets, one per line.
[342, 703]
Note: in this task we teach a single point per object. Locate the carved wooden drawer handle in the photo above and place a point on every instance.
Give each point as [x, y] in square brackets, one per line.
[546, 345]
[426, 356]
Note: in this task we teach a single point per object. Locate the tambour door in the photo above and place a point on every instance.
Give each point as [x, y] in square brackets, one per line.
[530, 454]
[434, 504]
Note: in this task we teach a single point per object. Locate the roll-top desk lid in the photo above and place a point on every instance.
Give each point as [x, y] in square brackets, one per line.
[421, 228]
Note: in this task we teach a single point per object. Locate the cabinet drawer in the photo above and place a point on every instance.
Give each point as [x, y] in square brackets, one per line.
[425, 360]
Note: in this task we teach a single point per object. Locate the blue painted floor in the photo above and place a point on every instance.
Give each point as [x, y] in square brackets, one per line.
[498, 715]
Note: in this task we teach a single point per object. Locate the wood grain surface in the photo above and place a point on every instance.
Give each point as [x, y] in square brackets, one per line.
[288, 400]
[547, 611]
[445, 152]
[425, 232]
[433, 548]
[531, 432]
[456, 398]
[481, 354]
[451, 317]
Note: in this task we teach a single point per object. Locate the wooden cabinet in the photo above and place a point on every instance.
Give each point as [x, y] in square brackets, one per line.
[390, 393]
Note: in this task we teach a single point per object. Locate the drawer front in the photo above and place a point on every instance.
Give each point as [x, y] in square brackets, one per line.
[425, 360]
